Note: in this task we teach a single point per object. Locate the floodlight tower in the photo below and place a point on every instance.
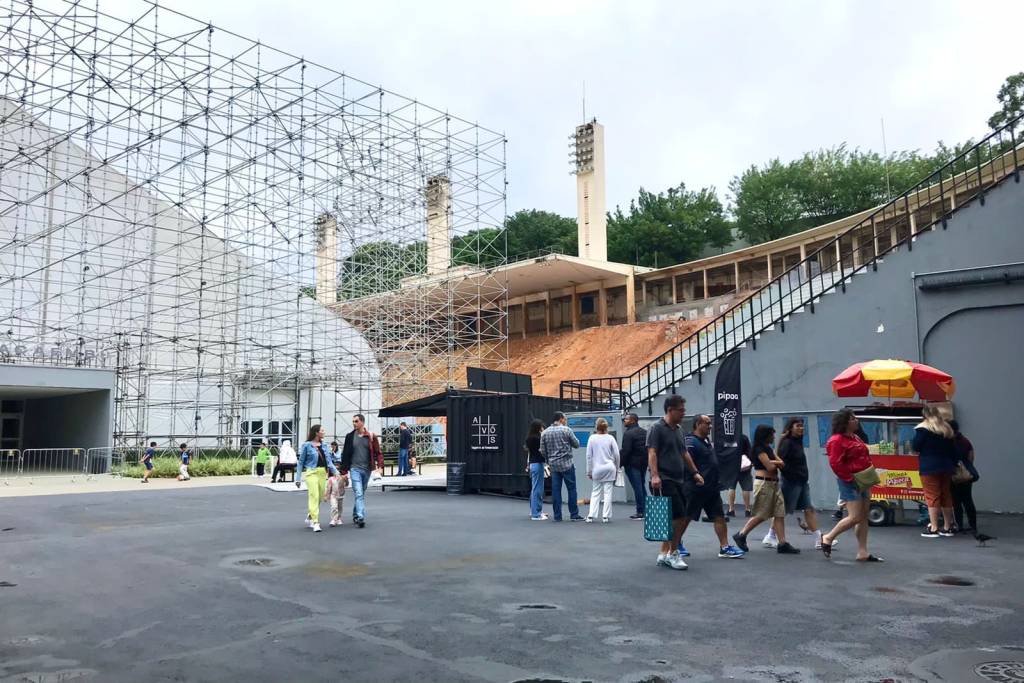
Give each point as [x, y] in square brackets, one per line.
[587, 159]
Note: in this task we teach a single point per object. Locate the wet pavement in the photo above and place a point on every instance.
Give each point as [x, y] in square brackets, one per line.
[225, 584]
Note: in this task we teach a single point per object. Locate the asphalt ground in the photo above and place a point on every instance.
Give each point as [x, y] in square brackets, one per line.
[226, 584]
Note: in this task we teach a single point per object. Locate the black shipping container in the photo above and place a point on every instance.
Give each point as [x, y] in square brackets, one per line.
[487, 433]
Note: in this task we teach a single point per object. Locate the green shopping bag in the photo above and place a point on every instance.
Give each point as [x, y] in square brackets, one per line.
[658, 518]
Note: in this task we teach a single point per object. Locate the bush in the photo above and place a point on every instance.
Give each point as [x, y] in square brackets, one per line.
[166, 467]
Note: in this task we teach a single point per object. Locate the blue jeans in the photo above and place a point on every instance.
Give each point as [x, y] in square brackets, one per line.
[636, 477]
[360, 478]
[403, 461]
[536, 489]
[569, 477]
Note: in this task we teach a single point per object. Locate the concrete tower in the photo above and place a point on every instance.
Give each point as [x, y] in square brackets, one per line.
[439, 209]
[591, 216]
[326, 230]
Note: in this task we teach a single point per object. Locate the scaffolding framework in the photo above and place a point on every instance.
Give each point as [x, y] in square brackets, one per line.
[165, 186]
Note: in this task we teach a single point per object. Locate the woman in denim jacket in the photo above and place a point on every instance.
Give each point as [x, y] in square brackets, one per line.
[315, 459]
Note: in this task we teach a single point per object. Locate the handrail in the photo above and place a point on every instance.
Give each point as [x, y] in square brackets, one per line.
[710, 343]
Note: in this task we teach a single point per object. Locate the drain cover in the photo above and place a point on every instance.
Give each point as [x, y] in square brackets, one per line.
[1001, 672]
[7, 584]
[10, 528]
[536, 606]
[256, 562]
[951, 581]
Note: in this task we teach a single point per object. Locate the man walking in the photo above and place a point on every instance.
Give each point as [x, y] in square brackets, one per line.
[404, 444]
[700, 485]
[665, 449]
[556, 444]
[634, 460]
[360, 456]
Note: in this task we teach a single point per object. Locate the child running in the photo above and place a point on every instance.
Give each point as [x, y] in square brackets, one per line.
[183, 469]
[147, 461]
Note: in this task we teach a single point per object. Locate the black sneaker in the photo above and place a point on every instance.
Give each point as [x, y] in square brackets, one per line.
[730, 513]
[787, 549]
[636, 516]
[747, 513]
[359, 522]
[705, 518]
[929, 532]
[838, 514]
[577, 518]
[741, 542]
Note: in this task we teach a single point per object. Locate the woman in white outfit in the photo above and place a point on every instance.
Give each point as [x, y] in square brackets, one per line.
[602, 465]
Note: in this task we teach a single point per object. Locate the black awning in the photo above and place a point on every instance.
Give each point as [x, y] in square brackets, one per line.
[428, 406]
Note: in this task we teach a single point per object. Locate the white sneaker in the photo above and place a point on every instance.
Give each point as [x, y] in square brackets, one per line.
[589, 520]
[333, 524]
[309, 523]
[675, 560]
[663, 559]
[605, 520]
[543, 517]
[316, 526]
[770, 540]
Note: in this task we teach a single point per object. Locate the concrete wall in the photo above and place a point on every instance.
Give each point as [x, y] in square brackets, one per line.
[76, 420]
[972, 332]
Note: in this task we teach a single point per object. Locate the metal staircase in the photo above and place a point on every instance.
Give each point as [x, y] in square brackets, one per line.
[860, 249]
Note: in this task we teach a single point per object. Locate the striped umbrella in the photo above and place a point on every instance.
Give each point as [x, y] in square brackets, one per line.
[894, 379]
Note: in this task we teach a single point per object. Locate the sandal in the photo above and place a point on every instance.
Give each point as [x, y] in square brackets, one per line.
[871, 558]
[826, 548]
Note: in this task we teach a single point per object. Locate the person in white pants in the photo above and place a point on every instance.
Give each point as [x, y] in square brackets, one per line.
[602, 465]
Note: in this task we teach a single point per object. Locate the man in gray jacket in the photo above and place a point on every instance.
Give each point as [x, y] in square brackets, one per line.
[556, 444]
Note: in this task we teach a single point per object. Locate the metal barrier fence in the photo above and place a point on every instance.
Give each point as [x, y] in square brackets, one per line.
[10, 463]
[51, 462]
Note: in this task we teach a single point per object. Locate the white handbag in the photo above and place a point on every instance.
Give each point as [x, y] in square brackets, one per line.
[620, 478]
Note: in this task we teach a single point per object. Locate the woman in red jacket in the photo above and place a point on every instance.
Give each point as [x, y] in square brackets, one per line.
[848, 454]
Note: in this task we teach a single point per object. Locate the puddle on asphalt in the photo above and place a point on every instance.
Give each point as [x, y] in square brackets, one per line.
[256, 562]
[950, 581]
[7, 584]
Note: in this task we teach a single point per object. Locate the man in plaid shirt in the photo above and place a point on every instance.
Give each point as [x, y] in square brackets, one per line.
[556, 444]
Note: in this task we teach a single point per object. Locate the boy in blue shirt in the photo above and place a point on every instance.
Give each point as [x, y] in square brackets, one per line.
[185, 456]
[147, 461]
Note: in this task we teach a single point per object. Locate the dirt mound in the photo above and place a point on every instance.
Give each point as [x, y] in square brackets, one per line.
[593, 352]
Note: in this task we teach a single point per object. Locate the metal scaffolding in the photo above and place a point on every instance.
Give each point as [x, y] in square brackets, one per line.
[238, 232]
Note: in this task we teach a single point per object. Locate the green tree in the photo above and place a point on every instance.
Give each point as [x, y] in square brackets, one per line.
[533, 230]
[666, 228]
[766, 201]
[1011, 100]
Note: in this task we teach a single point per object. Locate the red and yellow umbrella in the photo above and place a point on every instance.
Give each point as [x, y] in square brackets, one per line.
[894, 379]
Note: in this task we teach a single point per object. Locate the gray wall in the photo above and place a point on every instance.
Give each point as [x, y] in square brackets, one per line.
[54, 419]
[76, 420]
[972, 332]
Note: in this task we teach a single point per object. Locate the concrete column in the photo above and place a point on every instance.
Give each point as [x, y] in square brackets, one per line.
[643, 292]
[675, 297]
[913, 224]
[575, 310]
[736, 274]
[874, 236]
[439, 246]
[326, 233]
[892, 234]
[705, 272]
[525, 318]
[547, 313]
[770, 267]
[602, 305]
[631, 298]
[856, 252]
[839, 254]
[806, 266]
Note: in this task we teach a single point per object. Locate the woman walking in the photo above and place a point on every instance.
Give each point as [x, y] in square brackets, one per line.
[796, 489]
[535, 466]
[315, 460]
[937, 458]
[602, 465]
[963, 498]
[848, 455]
[768, 501]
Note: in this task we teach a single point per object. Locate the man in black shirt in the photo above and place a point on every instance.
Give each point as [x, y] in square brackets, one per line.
[633, 456]
[404, 445]
[701, 485]
[666, 454]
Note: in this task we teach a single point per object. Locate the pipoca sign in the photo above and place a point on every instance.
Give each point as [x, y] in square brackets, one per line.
[58, 354]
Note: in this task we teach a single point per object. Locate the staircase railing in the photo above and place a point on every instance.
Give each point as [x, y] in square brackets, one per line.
[925, 206]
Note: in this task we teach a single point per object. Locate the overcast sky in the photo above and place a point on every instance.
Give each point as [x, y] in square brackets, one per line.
[688, 92]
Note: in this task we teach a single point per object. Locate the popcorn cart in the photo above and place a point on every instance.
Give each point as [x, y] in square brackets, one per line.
[888, 428]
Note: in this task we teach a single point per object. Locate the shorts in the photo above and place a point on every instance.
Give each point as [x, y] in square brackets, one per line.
[674, 490]
[938, 489]
[849, 493]
[746, 480]
[703, 498]
[768, 501]
[797, 495]
[148, 464]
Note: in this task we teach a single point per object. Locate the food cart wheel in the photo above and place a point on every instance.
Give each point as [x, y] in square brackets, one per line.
[878, 513]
